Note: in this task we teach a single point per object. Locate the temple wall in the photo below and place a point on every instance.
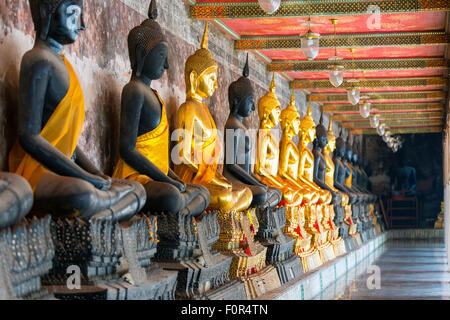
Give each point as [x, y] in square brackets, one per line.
[100, 58]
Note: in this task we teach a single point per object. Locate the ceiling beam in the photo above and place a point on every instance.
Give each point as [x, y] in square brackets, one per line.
[359, 65]
[395, 124]
[385, 108]
[380, 96]
[391, 116]
[245, 10]
[346, 41]
[398, 131]
[375, 83]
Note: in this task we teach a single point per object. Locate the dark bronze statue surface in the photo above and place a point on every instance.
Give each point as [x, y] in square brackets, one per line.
[238, 169]
[16, 199]
[320, 166]
[51, 116]
[340, 172]
[144, 121]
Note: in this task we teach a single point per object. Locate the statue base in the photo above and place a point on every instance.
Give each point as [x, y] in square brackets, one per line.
[195, 280]
[179, 236]
[104, 251]
[326, 252]
[159, 285]
[365, 236]
[270, 234]
[233, 290]
[310, 260]
[338, 247]
[357, 239]
[259, 283]
[289, 269]
[26, 253]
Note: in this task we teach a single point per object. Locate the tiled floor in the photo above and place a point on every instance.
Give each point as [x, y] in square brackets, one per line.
[408, 269]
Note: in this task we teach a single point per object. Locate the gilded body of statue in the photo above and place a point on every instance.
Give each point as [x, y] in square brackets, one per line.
[320, 210]
[51, 117]
[201, 147]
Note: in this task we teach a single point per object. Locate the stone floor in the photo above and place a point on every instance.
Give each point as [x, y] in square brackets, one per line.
[408, 269]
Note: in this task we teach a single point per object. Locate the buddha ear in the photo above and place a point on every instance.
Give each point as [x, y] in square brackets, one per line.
[236, 102]
[140, 59]
[45, 22]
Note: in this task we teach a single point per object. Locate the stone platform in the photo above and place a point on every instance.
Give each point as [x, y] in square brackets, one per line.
[312, 283]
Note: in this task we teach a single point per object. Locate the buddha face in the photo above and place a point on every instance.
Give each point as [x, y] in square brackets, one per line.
[156, 62]
[67, 22]
[331, 144]
[274, 116]
[296, 126]
[207, 83]
[310, 134]
[247, 106]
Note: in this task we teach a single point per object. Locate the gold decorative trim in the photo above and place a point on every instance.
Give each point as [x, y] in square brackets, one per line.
[382, 96]
[385, 108]
[398, 131]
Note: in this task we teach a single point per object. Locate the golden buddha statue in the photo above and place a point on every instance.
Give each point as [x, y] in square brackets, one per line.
[199, 155]
[317, 211]
[200, 140]
[266, 167]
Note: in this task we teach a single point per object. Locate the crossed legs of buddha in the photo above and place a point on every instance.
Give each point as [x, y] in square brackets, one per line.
[164, 197]
[16, 199]
[72, 197]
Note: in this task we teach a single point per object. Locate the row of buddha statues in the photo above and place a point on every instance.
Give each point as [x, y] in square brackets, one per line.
[212, 234]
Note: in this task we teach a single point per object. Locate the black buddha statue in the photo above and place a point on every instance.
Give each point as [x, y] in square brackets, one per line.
[51, 116]
[238, 145]
[16, 199]
[144, 129]
[340, 171]
[320, 166]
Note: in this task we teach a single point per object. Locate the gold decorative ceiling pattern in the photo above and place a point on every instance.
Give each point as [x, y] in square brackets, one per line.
[400, 54]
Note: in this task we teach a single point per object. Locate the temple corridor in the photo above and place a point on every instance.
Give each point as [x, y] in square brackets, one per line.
[408, 270]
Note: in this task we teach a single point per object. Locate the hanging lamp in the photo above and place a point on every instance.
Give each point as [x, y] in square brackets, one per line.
[374, 121]
[354, 92]
[269, 6]
[336, 73]
[310, 41]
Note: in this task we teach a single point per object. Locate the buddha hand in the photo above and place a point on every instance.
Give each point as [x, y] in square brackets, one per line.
[101, 182]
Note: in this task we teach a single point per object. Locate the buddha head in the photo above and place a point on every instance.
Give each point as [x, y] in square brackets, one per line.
[241, 95]
[340, 146]
[355, 157]
[331, 145]
[269, 108]
[290, 119]
[201, 71]
[321, 134]
[348, 150]
[148, 48]
[60, 20]
[308, 127]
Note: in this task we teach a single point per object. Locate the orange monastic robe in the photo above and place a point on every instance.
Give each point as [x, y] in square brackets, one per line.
[62, 131]
[157, 138]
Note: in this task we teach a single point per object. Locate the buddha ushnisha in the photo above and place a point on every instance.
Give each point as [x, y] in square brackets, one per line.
[51, 117]
[200, 140]
[144, 129]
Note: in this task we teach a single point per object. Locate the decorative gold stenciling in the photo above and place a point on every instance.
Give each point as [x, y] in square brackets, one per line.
[380, 96]
[314, 8]
[374, 83]
[359, 65]
[346, 41]
[399, 130]
[383, 108]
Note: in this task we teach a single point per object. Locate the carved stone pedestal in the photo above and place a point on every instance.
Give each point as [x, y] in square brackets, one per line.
[311, 260]
[237, 232]
[186, 247]
[114, 261]
[280, 248]
[26, 254]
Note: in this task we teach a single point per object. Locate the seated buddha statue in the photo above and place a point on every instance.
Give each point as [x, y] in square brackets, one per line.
[306, 176]
[16, 199]
[144, 129]
[200, 144]
[51, 115]
[266, 166]
[238, 144]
